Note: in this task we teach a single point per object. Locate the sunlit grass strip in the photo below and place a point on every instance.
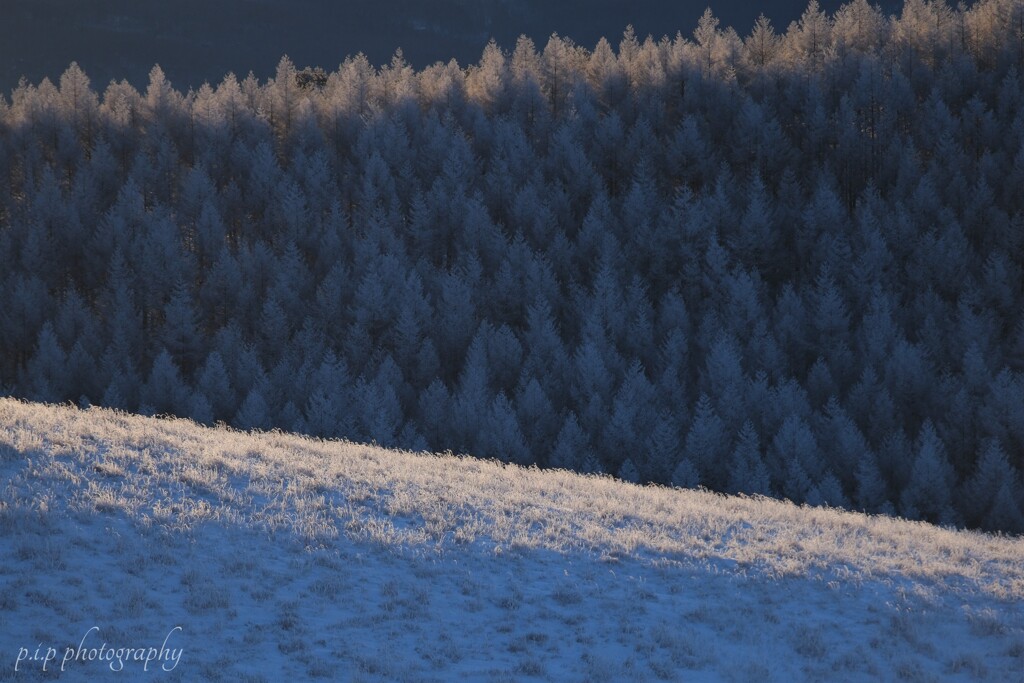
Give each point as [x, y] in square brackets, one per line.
[176, 475]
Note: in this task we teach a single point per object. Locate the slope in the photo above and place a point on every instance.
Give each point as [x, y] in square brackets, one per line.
[279, 556]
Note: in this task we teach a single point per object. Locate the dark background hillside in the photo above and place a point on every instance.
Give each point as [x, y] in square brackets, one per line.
[201, 40]
[789, 266]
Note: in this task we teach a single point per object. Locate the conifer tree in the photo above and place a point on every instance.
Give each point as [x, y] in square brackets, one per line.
[180, 335]
[747, 471]
[982, 500]
[662, 449]
[500, 435]
[928, 494]
[328, 411]
[706, 445]
[215, 385]
[571, 448]
[762, 44]
[165, 392]
[685, 475]
[46, 373]
[797, 460]
[253, 414]
[536, 415]
[629, 472]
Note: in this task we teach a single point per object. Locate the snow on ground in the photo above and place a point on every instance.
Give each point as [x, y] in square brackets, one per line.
[226, 556]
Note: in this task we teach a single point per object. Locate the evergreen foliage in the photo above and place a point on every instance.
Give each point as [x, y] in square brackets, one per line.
[785, 264]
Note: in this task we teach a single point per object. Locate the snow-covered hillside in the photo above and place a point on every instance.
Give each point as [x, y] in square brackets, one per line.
[272, 557]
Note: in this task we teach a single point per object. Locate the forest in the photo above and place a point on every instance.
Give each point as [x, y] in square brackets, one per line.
[197, 40]
[787, 263]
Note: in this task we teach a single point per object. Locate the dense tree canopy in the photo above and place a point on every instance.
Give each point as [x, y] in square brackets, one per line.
[786, 264]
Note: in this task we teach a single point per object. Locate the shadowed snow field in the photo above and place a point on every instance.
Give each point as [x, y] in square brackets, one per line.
[284, 558]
